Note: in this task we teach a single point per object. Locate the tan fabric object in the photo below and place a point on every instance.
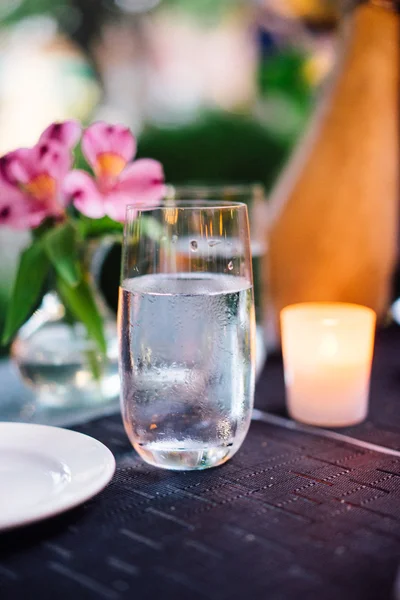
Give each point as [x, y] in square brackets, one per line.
[333, 234]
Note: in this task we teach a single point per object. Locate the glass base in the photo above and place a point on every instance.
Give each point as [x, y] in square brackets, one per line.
[180, 456]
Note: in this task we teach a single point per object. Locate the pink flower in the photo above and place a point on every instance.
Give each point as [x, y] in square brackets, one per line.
[31, 178]
[66, 133]
[14, 212]
[109, 149]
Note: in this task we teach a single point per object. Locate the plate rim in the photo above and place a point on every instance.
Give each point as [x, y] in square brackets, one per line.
[39, 513]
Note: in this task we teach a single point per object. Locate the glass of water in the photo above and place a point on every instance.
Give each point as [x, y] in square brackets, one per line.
[187, 332]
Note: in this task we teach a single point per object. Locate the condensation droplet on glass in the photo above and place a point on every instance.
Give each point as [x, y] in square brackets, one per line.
[174, 238]
[194, 246]
[230, 265]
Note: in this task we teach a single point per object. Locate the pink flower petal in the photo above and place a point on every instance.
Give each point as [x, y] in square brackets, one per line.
[22, 166]
[34, 175]
[16, 209]
[143, 180]
[115, 205]
[66, 133]
[52, 158]
[15, 167]
[102, 138]
[13, 211]
[141, 184]
[80, 189]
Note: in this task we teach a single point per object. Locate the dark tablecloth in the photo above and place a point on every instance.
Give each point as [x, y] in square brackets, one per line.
[291, 516]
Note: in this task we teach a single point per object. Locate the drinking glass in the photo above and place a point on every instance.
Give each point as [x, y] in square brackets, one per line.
[254, 196]
[187, 332]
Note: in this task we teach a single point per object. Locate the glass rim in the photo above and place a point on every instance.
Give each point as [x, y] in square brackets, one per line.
[191, 204]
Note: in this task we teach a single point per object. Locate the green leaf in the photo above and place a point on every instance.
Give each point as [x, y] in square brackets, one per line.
[98, 227]
[61, 245]
[92, 228]
[151, 227]
[96, 363]
[80, 302]
[33, 269]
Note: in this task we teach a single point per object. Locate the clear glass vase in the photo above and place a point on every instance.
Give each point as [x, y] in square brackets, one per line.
[60, 363]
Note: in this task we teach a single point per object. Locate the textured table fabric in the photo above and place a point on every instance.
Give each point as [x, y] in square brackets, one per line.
[291, 516]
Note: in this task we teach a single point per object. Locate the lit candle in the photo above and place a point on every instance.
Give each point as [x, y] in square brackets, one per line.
[327, 353]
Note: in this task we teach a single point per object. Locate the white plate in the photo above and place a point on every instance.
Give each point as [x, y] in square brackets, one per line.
[47, 470]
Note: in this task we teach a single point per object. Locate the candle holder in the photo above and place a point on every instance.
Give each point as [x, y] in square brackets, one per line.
[327, 353]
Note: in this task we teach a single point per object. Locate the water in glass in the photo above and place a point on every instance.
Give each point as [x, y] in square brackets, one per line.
[187, 345]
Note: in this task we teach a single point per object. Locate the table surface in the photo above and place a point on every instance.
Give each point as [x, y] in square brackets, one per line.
[292, 516]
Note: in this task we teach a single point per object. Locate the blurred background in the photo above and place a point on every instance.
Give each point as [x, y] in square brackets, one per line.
[218, 90]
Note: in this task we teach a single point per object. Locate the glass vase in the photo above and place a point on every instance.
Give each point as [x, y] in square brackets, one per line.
[59, 362]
